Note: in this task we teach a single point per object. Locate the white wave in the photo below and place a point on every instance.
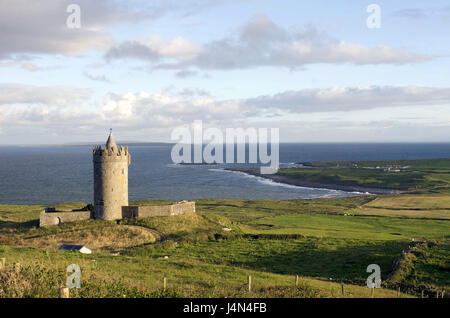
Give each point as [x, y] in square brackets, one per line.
[269, 182]
[331, 193]
[173, 165]
[360, 193]
[219, 170]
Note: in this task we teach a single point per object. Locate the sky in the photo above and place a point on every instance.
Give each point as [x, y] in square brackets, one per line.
[317, 70]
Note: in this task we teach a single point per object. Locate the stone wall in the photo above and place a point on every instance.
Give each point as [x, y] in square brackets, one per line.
[182, 208]
[55, 218]
[158, 210]
[51, 217]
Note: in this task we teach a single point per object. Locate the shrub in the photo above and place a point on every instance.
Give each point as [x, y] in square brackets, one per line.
[89, 207]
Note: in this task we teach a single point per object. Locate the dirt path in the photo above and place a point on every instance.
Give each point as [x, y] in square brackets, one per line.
[160, 237]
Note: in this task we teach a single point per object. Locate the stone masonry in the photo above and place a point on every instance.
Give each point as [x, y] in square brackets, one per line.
[110, 180]
[50, 217]
[158, 210]
[111, 192]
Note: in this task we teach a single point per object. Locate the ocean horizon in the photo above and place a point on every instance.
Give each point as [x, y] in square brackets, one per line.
[52, 174]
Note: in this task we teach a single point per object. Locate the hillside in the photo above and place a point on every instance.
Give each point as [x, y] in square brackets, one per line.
[327, 242]
[378, 177]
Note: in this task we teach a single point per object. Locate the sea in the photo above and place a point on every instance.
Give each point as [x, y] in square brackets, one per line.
[53, 174]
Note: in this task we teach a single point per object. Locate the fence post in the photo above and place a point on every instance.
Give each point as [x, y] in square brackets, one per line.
[249, 283]
[165, 283]
[63, 292]
[437, 293]
[342, 288]
[2, 263]
[442, 295]
[16, 267]
[296, 280]
[421, 296]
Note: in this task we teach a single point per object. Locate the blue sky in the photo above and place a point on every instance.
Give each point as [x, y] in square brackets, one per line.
[313, 69]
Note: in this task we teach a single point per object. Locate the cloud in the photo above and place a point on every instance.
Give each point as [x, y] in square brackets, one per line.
[24, 106]
[98, 78]
[186, 73]
[155, 48]
[351, 98]
[190, 92]
[198, 102]
[421, 13]
[24, 64]
[177, 107]
[183, 8]
[411, 13]
[189, 104]
[363, 131]
[165, 110]
[259, 43]
[11, 93]
[41, 28]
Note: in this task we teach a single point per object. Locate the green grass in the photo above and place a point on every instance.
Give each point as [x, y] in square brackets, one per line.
[413, 174]
[352, 227]
[360, 177]
[190, 227]
[411, 201]
[269, 239]
[21, 214]
[240, 210]
[430, 264]
[119, 276]
[313, 257]
[199, 250]
[428, 165]
[431, 206]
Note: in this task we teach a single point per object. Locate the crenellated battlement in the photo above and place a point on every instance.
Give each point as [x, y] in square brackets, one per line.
[99, 151]
[110, 179]
[111, 192]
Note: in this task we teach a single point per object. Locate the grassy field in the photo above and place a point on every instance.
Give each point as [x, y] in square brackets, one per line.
[312, 257]
[43, 271]
[191, 267]
[400, 174]
[327, 242]
[352, 227]
[409, 205]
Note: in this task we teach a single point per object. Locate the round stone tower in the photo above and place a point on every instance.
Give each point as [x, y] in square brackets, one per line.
[110, 180]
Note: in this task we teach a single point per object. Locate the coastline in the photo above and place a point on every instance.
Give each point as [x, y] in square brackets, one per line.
[316, 185]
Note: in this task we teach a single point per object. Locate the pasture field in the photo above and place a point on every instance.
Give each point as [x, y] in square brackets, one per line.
[327, 242]
[352, 227]
[411, 202]
[43, 271]
[203, 259]
[360, 177]
[431, 206]
[432, 174]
